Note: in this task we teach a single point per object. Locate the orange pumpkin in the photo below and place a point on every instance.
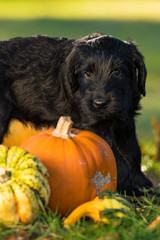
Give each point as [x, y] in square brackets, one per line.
[80, 164]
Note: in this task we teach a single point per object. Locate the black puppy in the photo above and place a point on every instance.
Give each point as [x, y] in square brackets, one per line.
[93, 79]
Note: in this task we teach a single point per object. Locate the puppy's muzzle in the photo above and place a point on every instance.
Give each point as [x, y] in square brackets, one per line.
[100, 102]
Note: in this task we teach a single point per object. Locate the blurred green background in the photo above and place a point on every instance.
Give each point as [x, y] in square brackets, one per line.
[138, 20]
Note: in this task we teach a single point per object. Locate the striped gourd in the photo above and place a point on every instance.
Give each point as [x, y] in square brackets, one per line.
[105, 207]
[23, 185]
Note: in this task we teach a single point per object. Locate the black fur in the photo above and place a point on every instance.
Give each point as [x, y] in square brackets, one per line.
[93, 79]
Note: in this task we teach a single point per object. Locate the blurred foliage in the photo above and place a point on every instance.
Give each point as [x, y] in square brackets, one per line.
[88, 9]
[150, 155]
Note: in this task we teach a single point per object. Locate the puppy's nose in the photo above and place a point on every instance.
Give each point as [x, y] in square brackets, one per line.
[100, 102]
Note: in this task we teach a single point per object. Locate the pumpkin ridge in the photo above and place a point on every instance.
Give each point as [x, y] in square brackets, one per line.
[97, 177]
[104, 153]
[91, 165]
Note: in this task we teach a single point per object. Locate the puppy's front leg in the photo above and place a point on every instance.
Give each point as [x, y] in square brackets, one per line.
[127, 144]
[125, 183]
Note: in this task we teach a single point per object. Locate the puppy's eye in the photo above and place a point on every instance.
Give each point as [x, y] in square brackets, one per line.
[87, 74]
[117, 73]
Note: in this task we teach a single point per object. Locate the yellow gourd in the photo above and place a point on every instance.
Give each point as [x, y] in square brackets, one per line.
[106, 206]
[23, 183]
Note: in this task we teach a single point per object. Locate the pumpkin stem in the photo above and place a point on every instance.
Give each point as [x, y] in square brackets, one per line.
[4, 175]
[63, 128]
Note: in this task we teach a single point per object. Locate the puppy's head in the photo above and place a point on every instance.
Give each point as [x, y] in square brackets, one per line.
[108, 75]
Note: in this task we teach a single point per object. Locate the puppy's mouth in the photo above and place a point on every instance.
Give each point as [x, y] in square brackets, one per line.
[109, 111]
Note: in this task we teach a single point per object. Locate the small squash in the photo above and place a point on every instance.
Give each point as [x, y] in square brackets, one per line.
[103, 208]
[154, 223]
[18, 133]
[23, 182]
[80, 164]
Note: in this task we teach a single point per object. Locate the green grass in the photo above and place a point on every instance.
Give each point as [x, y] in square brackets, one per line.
[146, 34]
[50, 226]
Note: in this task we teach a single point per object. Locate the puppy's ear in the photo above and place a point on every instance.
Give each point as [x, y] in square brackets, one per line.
[140, 66]
[72, 76]
[71, 83]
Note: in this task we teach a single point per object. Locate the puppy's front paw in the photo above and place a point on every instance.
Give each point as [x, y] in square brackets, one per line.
[142, 181]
